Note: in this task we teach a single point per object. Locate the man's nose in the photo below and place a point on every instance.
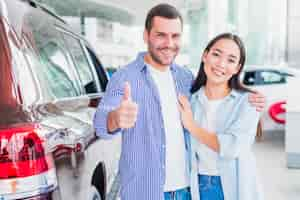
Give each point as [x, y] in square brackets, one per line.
[169, 41]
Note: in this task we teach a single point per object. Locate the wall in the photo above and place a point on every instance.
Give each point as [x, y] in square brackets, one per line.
[292, 138]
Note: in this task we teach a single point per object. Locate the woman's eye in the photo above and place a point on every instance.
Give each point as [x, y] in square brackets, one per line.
[231, 61]
[159, 35]
[215, 54]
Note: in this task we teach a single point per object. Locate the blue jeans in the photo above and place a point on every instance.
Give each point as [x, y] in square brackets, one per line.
[210, 187]
[182, 194]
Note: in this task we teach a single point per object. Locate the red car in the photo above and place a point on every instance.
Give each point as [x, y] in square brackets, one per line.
[51, 82]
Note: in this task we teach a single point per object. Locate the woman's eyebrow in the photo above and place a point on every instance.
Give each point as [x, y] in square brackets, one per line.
[220, 51]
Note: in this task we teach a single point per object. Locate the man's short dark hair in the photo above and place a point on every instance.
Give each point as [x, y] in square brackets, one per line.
[162, 10]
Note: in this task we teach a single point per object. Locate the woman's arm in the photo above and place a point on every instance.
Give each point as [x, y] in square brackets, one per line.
[206, 137]
[240, 134]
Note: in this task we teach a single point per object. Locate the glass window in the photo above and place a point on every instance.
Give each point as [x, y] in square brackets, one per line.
[81, 63]
[101, 73]
[271, 77]
[54, 70]
[60, 77]
[249, 78]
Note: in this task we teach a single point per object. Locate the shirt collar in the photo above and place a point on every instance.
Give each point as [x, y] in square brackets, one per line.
[232, 95]
[143, 66]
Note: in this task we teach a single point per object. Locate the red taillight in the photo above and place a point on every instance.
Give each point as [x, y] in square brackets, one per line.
[78, 147]
[22, 152]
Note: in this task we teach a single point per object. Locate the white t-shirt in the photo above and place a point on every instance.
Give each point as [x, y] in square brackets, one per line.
[176, 177]
[207, 163]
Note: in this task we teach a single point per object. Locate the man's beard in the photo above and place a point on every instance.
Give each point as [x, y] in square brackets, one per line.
[156, 57]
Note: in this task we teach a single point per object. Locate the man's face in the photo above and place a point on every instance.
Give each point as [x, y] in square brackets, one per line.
[163, 40]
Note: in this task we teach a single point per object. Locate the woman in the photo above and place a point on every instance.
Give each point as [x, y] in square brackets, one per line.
[223, 125]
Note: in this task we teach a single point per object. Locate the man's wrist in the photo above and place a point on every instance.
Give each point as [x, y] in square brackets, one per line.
[112, 123]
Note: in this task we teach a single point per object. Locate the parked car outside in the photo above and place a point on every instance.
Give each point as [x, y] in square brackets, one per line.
[272, 82]
[51, 82]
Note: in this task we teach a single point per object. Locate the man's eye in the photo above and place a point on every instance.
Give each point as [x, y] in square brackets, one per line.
[176, 36]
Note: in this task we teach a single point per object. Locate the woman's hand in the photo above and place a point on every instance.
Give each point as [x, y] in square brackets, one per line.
[201, 134]
[186, 112]
[258, 100]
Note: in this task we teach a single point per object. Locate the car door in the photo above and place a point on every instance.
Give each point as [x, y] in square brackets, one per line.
[70, 87]
[271, 83]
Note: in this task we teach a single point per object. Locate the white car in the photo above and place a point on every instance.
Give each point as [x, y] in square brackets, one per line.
[272, 82]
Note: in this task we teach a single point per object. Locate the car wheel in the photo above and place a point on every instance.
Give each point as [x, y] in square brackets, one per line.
[99, 179]
[94, 194]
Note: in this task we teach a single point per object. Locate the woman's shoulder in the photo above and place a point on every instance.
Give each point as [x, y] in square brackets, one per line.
[240, 95]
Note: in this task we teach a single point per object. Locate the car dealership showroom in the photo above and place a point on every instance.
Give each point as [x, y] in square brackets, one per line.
[58, 56]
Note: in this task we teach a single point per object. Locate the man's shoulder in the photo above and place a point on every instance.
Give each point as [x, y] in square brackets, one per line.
[184, 72]
[128, 69]
[129, 72]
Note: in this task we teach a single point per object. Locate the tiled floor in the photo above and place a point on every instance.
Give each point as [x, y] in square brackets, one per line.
[279, 182]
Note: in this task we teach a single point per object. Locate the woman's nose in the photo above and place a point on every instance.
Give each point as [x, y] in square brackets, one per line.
[222, 63]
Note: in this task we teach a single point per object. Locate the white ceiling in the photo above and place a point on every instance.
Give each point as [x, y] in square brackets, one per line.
[139, 8]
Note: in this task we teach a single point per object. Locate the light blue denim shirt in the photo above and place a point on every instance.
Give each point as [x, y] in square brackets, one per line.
[236, 129]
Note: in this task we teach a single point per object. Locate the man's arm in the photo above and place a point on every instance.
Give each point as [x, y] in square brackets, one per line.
[116, 110]
[258, 100]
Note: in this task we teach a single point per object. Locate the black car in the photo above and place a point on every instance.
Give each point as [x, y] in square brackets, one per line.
[51, 82]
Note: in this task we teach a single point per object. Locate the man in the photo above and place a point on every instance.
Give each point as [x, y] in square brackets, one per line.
[141, 103]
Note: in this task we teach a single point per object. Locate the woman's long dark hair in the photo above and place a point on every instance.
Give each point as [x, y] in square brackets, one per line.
[234, 81]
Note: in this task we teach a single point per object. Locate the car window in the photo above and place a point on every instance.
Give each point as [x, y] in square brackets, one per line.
[81, 64]
[102, 76]
[270, 77]
[55, 69]
[60, 77]
[249, 78]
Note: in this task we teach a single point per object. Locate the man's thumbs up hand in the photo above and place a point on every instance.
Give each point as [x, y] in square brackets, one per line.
[127, 92]
[126, 114]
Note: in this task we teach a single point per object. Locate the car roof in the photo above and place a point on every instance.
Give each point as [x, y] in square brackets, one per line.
[16, 10]
[3, 9]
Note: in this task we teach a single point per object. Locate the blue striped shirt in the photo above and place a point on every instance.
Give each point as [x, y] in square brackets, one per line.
[142, 159]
